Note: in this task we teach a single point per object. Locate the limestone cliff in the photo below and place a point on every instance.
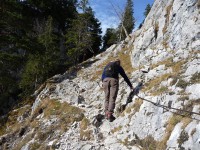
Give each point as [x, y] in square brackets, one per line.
[67, 110]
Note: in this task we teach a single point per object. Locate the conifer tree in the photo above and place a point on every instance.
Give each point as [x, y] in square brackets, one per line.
[14, 39]
[43, 63]
[83, 39]
[128, 20]
[147, 10]
[109, 38]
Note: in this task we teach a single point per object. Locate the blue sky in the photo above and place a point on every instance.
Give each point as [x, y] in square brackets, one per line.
[106, 14]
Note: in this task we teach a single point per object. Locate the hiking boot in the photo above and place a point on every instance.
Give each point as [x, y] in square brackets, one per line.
[111, 118]
[106, 114]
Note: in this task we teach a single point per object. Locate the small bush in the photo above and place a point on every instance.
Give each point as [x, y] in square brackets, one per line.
[183, 137]
[195, 78]
[172, 93]
[183, 98]
[34, 146]
[148, 143]
[193, 131]
[182, 84]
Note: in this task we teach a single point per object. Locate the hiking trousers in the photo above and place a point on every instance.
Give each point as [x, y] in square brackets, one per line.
[111, 86]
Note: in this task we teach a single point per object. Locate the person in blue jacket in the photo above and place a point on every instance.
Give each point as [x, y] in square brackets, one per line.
[110, 79]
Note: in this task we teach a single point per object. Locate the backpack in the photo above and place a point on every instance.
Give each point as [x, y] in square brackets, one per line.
[111, 70]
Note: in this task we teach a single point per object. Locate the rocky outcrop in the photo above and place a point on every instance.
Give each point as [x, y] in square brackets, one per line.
[68, 109]
[170, 26]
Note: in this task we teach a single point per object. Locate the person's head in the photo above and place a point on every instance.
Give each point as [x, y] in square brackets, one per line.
[117, 61]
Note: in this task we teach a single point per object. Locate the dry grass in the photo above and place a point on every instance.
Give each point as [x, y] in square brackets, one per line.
[176, 70]
[85, 133]
[13, 115]
[154, 83]
[167, 62]
[116, 129]
[34, 146]
[24, 141]
[137, 104]
[160, 90]
[148, 143]
[65, 113]
[126, 62]
[84, 124]
[168, 10]
[10, 124]
[165, 42]
[170, 126]
[185, 122]
[178, 66]
[125, 142]
[133, 108]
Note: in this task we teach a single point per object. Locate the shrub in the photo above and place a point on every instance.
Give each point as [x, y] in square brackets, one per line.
[148, 143]
[195, 78]
[193, 131]
[183, 137]
[182, 84]
[183, 98]
[34, 146]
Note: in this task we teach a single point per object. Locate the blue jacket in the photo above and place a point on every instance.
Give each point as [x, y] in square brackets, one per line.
[120, 71]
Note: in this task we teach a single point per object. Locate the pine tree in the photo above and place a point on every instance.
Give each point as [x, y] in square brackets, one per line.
[147, 10]
[42, 64]
[128, 21]
[109, 38]
[78, 38]
[83, 39]
[83, 5]
[14, 40]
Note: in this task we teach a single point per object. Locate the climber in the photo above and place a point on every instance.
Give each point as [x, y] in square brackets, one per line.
[110, 81]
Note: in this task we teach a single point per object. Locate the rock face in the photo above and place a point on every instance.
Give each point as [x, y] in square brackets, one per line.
[68, 109]
[171, 25]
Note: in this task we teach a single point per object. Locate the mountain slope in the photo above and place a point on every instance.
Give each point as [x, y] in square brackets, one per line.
[67, 109]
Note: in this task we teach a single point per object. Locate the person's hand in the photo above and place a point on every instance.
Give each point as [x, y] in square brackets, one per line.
[132, 88]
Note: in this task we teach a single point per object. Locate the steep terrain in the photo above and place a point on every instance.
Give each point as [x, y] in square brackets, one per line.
[66, 112]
